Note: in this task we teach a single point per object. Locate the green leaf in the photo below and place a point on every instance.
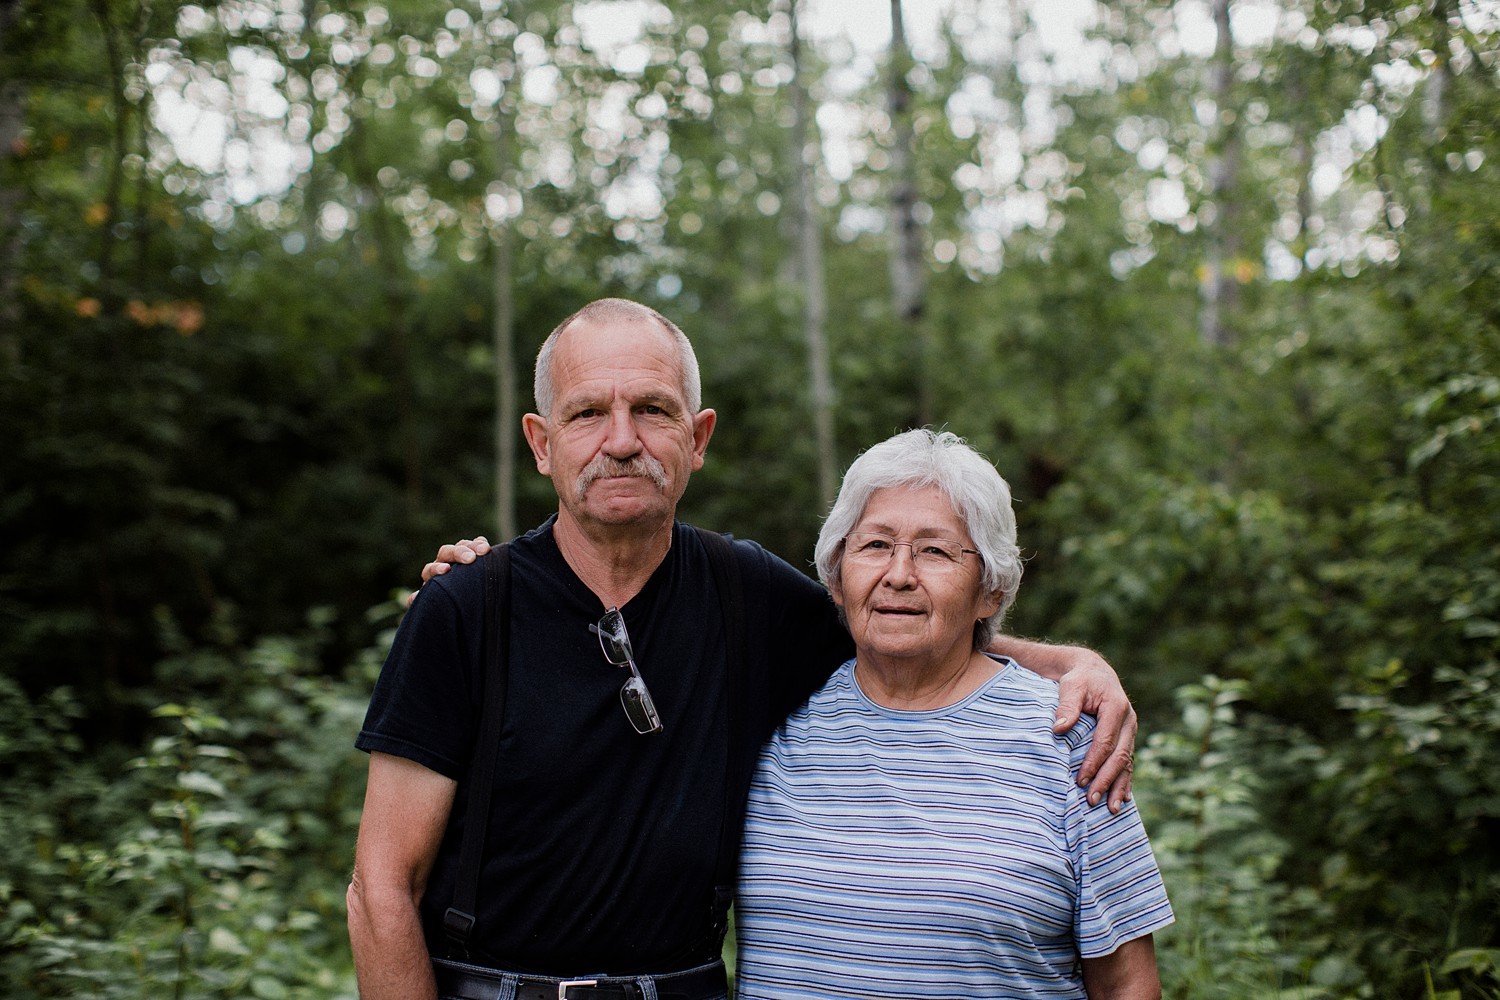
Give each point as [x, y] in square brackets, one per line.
[267, 988]
[1475, 960]
[222, 939]
[205, 784]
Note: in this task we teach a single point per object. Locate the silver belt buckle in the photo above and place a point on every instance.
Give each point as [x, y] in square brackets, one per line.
[562, 987]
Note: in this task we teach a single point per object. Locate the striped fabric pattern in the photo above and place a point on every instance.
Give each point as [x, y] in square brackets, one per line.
[934, 854]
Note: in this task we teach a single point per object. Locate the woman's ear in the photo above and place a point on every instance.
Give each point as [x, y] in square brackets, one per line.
[991, 603]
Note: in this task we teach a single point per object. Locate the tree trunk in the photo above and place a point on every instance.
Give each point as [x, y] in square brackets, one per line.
[12, 118]
[121, 131]
[1218, 285]
[504, 344]
[1435, 90]
[908, 284]
[143, 189]
[386, 236]
[810, 268]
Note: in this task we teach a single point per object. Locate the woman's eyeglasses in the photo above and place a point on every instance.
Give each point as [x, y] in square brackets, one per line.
[875, 549]
[615, 642]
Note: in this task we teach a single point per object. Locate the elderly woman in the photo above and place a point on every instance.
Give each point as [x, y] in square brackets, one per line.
[915, 830]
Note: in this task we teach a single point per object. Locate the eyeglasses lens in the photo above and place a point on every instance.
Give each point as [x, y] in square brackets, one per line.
[638, 707]
[614, 640]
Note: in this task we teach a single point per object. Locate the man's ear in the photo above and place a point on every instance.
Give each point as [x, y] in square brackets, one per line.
[703, 429]
[535, 429]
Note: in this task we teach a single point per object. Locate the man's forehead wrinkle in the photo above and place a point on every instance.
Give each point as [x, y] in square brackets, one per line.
[638, 375]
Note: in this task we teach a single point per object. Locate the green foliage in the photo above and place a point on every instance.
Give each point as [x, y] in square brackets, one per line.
[228, 400]
[1412, 792]
[1200, 800]
[1272, 841]
[1479, 967]
[213, 865]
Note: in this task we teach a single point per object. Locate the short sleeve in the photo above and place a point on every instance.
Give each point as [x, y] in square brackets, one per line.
[805, 640]
[1121, 896]
[423, 705]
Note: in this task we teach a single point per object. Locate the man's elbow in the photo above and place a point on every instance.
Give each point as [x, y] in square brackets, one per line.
[368, 910]
[356, 904]
[373, 904]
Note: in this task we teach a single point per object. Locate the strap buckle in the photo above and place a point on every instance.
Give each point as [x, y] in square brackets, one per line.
[562, 987]
[459, 926]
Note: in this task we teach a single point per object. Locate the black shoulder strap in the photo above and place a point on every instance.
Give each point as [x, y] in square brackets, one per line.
[732, 604]
[459, 920]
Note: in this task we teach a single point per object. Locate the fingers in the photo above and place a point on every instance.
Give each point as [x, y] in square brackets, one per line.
[1119, 792]
[458, 552]
[1100, 756]
[433, 569]
[1113, 770]
[462, 552]
[1069, 707]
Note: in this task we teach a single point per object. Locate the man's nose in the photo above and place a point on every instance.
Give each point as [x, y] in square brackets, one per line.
[621, 439]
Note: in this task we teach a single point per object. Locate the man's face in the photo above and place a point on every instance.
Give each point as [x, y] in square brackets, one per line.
[619, 443]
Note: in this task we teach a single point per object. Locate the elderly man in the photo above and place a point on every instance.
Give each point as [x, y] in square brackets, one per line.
[612, 830]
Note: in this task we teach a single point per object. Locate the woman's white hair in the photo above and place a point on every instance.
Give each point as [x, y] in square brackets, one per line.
[917, 459]
[617, 311]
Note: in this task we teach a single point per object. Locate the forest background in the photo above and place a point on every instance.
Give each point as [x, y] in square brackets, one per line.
[1216, 283]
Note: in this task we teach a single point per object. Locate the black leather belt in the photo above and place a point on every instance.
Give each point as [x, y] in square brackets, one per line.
[475, 982]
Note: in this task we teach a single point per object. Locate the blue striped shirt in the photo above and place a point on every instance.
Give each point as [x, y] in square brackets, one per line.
[938, 853]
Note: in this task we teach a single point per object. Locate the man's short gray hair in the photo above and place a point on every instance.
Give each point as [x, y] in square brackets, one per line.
[917, 459]
[617, 311]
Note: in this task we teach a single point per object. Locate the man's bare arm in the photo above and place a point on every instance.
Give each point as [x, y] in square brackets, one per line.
[1086, 683]
[406, 811]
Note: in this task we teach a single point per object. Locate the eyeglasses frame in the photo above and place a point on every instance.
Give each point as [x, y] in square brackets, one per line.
[911, 547]
[635, 684]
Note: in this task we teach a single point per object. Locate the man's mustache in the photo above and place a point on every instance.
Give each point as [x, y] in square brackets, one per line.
[640, 467]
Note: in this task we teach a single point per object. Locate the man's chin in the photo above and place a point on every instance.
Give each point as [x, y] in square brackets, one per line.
[624, 508]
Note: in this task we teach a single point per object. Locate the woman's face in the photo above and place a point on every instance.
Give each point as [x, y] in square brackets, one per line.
[901, 604]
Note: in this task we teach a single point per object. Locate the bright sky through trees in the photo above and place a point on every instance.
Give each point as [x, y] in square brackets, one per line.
[249, 132]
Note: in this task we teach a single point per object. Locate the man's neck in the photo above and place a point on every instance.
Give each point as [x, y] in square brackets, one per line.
[614, 561]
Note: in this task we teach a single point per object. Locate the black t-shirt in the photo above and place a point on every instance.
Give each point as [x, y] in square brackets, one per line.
[603, 843]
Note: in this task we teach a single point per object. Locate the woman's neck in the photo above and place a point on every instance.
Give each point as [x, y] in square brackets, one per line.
[915, 687]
